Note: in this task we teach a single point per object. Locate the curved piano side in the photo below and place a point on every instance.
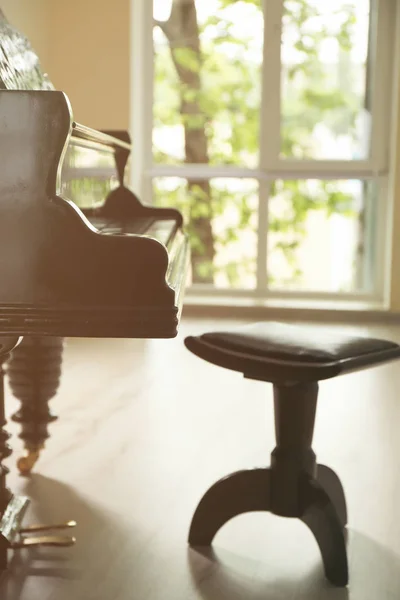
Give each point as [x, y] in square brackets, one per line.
[65, 278]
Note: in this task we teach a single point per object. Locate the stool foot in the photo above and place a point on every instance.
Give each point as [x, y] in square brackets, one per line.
[333, 487]
[320, 515]
[238, 493]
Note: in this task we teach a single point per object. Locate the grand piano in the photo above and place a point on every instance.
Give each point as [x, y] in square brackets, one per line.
[95, 264]
[115, 270]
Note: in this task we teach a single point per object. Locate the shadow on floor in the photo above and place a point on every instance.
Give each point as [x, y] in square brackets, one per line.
[374, 573]
[55, 502]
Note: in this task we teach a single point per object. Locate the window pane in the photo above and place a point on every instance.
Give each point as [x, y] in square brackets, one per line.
[319, 235]
[221, 218]
[325, 110]
[88, 189]
[207, 57]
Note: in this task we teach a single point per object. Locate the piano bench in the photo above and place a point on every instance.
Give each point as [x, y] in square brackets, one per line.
[294, 359]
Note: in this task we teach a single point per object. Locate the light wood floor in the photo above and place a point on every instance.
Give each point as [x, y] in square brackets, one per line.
[145, 428]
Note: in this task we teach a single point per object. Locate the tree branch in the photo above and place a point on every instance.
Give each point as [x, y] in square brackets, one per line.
[160, 24]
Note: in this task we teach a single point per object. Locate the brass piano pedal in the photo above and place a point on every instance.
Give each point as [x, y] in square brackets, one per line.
[36, 527]
[60, 541]
[15, 536]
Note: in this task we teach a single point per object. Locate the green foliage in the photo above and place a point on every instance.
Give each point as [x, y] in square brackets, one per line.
[88, 192]
[226, 108]
[187, 59]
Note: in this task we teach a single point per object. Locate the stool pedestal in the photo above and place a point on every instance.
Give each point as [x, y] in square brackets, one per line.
[294, 485]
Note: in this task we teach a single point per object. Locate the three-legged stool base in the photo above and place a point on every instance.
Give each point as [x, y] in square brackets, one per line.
[322, 508]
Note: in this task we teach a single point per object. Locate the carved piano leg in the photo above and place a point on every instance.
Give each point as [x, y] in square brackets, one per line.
[13, 535]
[34, 370]
[5, 450]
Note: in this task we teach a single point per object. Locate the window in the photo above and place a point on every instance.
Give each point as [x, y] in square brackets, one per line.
[266, 123]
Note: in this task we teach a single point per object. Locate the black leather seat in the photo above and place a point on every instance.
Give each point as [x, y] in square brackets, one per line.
[280, 352]
[294, 358]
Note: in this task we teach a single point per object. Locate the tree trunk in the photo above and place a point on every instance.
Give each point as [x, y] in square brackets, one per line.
[182, 33]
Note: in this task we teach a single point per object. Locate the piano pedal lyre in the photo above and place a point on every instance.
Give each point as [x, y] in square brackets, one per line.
[14, 536]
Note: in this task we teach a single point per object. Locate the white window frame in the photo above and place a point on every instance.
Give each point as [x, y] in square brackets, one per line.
[270, 167]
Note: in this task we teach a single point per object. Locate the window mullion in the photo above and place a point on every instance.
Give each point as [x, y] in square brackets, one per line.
[262, 236]
[141, 92]
[323, 169]
[270, 138]
[287, 169]
[382, 54]
[270, 120]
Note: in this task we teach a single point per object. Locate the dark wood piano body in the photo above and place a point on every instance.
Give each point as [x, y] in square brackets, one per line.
[115, 270]
[110, 267]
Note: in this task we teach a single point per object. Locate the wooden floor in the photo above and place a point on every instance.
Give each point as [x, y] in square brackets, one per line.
[145, 428]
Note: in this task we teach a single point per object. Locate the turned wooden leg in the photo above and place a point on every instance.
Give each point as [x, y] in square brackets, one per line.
[331, 483]
[5, 450]
[34, 370]
[320, 515]
[238, 493]
[6, 345]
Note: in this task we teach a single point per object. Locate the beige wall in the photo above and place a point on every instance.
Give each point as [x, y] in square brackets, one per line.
[31, 18]
[89, 59]
[84, 47]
